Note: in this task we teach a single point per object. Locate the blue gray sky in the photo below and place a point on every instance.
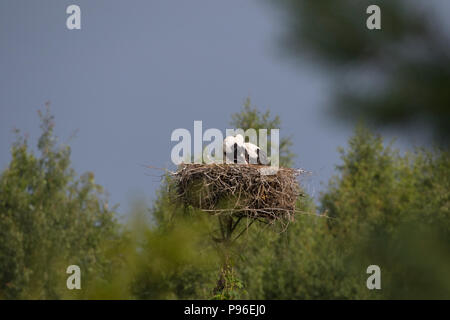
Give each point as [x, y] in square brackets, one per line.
[139, 69]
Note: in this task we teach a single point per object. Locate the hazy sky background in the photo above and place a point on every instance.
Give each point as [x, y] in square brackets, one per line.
[140, 69]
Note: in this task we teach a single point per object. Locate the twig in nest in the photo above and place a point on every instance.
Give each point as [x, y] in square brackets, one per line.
[239, 190]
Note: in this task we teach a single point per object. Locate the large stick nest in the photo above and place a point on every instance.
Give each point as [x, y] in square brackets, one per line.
[239, 189]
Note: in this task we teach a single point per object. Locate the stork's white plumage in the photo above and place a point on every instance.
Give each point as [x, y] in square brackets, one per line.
[234, 149]
[254, 154]
[239, 140]
[228, 145]
[240, 147]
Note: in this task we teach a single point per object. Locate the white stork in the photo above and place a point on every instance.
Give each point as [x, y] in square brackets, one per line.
[254, 154]
[234, 149]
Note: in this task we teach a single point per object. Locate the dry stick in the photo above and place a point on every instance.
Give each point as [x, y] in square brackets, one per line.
[221, 227]
[268, 212]
[280, 190]
[236, 223]
[248, 226]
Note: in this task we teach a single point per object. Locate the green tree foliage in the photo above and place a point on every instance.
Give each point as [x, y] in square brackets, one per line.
[394, 211]
[148, 262]
[49, 219]
[397, 75]
[175, 258]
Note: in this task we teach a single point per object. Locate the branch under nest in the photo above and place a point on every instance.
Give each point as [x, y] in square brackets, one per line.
[239, 190]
